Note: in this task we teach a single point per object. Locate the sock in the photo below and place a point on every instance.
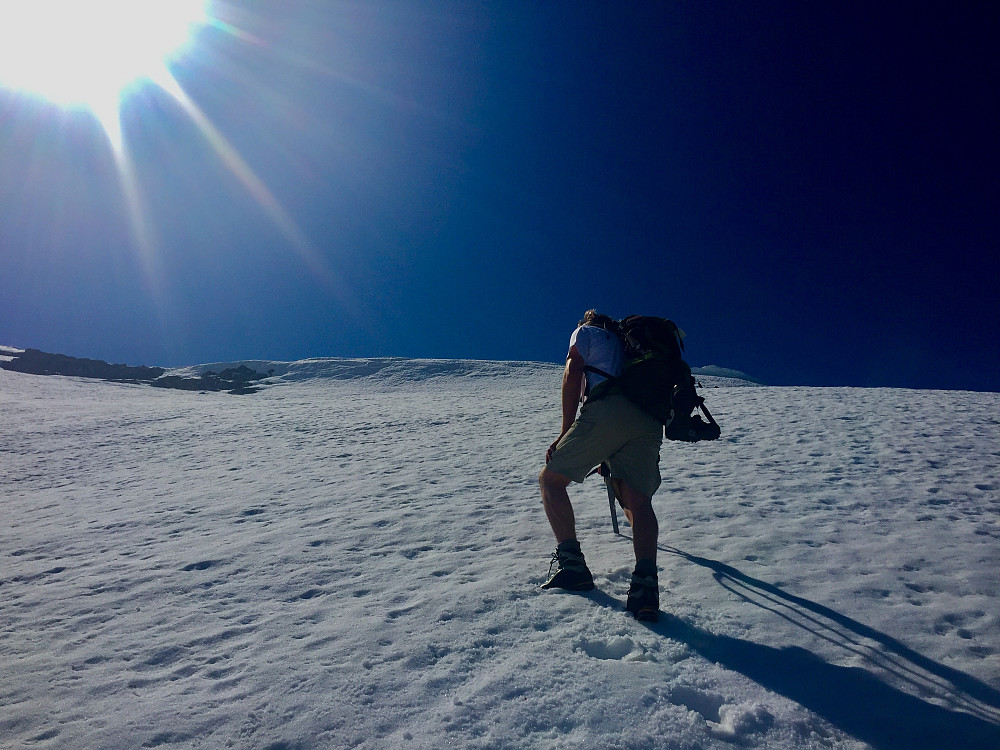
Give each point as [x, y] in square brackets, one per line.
[645, 569]
[570, 545]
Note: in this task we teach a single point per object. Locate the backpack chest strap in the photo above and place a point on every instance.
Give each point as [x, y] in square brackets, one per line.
[598, 371]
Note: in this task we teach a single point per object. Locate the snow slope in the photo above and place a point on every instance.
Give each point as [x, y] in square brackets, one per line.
[350, 558]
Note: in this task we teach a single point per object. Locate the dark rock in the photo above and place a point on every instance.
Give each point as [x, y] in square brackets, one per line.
[236, 380]
[37, 362]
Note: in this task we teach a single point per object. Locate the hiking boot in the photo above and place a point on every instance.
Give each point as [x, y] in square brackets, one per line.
[644, 593]
[572, 573]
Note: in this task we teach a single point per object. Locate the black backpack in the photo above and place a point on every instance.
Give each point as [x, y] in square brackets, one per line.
[657, 379]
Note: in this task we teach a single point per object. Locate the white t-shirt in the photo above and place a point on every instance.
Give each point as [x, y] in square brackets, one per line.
[599, 349]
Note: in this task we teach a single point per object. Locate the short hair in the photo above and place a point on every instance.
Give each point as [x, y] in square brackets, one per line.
[598, 320]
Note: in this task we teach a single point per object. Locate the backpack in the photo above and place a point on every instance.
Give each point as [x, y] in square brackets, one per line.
[656, 378]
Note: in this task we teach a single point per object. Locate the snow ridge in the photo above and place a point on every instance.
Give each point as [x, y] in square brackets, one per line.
[386, 369]
[403, 369]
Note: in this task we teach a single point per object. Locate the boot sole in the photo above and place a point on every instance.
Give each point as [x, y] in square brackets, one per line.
[647, 614]
[578, 587]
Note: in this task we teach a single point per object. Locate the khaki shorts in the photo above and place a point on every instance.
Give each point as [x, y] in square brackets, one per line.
[615, 430]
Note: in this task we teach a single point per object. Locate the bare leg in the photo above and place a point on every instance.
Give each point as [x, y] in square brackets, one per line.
[645, 528]
[558, 509]
[617, 483]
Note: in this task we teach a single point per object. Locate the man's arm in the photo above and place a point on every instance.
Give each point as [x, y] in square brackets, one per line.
[572, 387]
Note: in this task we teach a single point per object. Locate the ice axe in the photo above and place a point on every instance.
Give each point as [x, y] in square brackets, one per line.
[605, 471]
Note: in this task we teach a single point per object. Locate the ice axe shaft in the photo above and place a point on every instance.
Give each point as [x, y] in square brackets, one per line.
[606, 474]
[611, 502]
[605, 471]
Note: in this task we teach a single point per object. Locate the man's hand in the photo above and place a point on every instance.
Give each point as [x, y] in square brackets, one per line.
[552, 449]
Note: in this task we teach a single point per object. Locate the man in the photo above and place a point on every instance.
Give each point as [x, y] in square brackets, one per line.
[609, 429]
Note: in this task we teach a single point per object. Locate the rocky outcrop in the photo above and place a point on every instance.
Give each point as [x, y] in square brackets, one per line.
[238, 380]
[44, 363]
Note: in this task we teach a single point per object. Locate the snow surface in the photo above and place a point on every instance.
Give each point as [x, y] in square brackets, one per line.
[351, 558]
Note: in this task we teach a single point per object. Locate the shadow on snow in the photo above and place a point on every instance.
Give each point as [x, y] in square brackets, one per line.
[854, 699]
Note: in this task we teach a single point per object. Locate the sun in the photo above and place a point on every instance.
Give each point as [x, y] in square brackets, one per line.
[86, 53]
[92, 54]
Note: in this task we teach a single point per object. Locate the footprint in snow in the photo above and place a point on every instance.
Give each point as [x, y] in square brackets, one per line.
[612, 649]
[200, 565]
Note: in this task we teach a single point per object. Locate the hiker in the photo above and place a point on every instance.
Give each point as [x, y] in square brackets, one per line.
[609, 430]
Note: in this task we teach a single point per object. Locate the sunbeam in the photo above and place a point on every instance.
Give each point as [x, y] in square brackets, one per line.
[94, 55]
[254, 185]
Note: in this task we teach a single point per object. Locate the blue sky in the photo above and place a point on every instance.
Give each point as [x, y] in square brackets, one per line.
[809, 190]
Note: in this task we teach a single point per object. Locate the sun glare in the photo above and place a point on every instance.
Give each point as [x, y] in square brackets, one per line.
[78, 53]
[90, 54]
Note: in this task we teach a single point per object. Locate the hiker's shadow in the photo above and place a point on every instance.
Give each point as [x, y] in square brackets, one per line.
[957, 711]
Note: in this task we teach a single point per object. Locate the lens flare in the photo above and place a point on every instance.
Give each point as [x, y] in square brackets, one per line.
[92, 54]
[84, 54]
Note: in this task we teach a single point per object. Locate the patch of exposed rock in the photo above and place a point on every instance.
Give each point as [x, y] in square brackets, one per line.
[238, 380]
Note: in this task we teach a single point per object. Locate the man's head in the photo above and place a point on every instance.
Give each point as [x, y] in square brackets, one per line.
[598, 320]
